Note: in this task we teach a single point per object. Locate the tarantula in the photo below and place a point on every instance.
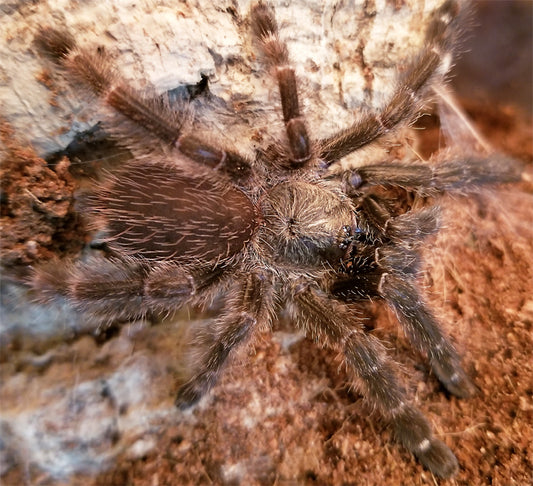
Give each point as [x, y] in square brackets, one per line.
[194, 219]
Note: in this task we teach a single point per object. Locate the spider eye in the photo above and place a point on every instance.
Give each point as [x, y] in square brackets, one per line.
[355, 180]
[322, 164]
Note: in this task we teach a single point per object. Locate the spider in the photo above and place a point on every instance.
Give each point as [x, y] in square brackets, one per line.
[193, 219]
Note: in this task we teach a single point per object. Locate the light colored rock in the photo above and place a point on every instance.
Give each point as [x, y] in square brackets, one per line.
[166, 44]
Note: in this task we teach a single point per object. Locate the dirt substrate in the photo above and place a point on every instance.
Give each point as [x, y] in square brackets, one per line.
[37, 215]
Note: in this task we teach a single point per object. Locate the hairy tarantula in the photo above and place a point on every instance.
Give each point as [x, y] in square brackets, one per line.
[193, 220]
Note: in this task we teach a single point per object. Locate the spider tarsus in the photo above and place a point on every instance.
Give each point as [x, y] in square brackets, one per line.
[454, 378]
[49, 281]
[55, 43]
[190, 394]
[439, 459]
[439, 32]
[263, 21]
[412, 429]
[265, 29]
[467, 174]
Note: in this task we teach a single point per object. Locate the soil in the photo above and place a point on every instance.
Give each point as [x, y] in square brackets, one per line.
[38, 219]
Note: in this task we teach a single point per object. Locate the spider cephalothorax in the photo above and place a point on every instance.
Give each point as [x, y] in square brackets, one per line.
[193, 219]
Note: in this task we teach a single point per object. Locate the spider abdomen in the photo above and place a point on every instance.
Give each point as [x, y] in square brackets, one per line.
[157, 212]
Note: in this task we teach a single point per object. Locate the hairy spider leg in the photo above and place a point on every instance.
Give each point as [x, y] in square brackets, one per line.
[398, 238]
[423, 331]
[151, 113]
[115, 290]
[392, 275]
[275, 50]
[409, 228]
[403, 107]
[463, 174]
[405, 104]
[244, 311]
[332, 324]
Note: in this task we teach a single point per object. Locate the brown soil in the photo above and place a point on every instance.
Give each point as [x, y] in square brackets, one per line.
[37, 217]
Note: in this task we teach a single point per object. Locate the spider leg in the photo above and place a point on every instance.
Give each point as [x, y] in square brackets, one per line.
[459, 175]
[391, 274]
[406, 102]
[275, 50]
[331, 323]
[418, 323]
[406, 229]
[397, 239]
[424, 333]
[153, 114]
[118, 290]
[398, 288]
[401, 108]
[243, 312]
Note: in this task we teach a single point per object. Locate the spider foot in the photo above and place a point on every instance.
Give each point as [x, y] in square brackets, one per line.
[455, 379]
[413, 430]
[437, 457]
[190, 393]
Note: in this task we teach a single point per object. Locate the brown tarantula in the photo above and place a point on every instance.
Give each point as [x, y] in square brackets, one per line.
[193, 220]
